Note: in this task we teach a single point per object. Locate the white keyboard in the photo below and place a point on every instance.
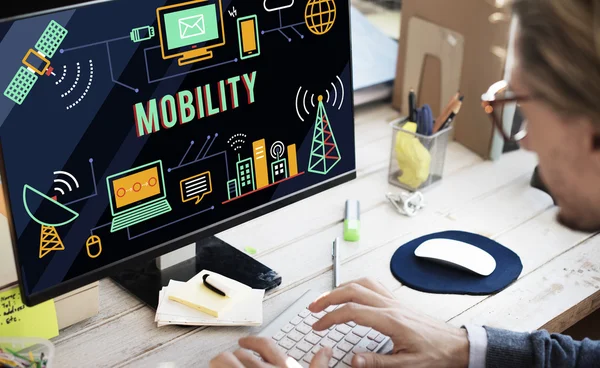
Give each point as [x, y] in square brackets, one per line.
[292, 330]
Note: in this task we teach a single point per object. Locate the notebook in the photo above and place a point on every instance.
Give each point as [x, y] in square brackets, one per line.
[248, 312]
[196, 295]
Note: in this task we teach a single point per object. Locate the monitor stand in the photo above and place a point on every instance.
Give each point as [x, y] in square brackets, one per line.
[195, 56]
[145, 280]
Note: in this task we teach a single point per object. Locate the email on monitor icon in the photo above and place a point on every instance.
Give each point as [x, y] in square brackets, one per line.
[192, 26]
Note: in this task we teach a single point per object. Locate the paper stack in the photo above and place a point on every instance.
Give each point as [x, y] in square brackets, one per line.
[192, 303]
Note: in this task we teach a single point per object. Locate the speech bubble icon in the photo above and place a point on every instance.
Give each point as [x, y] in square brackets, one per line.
[196, 187]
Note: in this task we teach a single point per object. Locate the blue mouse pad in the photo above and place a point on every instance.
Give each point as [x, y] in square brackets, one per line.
[431, 277]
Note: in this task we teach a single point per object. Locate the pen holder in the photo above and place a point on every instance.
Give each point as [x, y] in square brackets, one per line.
[416, 161]
[41, 350]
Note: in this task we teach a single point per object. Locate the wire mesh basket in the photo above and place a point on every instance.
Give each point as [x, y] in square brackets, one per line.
[416, 161]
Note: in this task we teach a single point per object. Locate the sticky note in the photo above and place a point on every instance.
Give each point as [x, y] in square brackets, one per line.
[18, 320]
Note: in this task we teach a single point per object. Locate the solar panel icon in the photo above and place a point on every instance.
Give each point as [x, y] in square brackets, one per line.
[36, 62]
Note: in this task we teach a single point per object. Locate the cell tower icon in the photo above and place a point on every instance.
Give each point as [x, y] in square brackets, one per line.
[324, 153]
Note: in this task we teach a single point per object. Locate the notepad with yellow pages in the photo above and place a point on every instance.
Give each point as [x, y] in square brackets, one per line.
[196, 295]
[248, 313]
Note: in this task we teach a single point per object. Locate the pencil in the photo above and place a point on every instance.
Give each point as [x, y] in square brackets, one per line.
[452, 115]
[445, 113]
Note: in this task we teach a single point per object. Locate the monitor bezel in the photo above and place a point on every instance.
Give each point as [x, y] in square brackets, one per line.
[132, 206]
[190, 49]
[25, 10]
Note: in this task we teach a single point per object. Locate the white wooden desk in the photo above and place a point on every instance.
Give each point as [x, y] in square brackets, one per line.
[558, 286]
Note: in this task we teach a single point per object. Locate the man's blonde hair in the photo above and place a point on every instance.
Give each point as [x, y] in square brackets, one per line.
[559, 48]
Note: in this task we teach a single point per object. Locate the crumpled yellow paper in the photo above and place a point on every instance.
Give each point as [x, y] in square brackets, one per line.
[413, 158]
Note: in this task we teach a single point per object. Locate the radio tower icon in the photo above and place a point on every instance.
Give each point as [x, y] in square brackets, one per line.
[324, 153]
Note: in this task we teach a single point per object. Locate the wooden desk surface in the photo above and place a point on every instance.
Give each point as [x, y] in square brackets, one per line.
[559, 284]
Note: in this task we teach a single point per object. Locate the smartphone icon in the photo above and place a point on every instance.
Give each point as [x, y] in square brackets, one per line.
[248, 37]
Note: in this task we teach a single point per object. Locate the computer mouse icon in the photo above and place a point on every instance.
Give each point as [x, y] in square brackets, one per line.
[93, 246]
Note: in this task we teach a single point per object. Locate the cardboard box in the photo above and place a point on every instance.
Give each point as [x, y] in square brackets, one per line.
[483, 63]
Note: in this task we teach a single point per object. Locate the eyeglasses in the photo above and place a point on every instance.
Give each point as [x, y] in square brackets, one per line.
[499, 99]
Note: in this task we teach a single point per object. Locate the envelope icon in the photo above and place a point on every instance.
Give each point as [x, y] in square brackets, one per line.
[192, 26]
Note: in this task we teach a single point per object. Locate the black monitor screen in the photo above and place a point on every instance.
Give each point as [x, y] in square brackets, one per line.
[116, 154]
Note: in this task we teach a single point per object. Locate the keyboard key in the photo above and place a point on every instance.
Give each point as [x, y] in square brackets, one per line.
[296, 353]
[312, 338]
[359, 349]
[332, 327]
[332, 362]
[279, 335]
[351, 324]
[282, 349]
[335, 336]
[372, 346]
[330, 309]
[353, 339]
[322, 333]
[345, 346]
[345, 329]
[310, 320]
[295, 335]
[372, 334]
[287, 328]
[361, 331]
[309, 357]
[304, 346]
[380, 338]
[304, 364]
[327, 342]
[348, 358]
[319, 315]
[296, 320]
[305, 313]
[303, 328]
[338, 354]
[287, 343]
[342, 365]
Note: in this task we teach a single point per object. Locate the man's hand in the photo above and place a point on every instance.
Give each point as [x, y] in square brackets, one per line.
[272, 356]
[419, 341]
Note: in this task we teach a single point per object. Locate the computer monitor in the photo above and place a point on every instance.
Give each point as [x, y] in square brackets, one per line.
[114, 156]
[190, 30]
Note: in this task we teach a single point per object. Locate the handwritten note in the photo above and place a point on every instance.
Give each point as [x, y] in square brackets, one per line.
[20, 321]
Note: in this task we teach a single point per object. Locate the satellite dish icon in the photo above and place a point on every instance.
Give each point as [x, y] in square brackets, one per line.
[49, 238]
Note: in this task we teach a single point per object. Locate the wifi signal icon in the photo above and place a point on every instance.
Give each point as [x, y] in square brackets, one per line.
[79, 82]
[334, 97]
[65, 181]
[237, 141]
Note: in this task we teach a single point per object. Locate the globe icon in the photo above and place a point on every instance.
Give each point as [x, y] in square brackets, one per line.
[319, 16]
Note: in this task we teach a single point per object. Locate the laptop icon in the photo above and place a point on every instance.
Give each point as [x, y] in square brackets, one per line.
[137, 195]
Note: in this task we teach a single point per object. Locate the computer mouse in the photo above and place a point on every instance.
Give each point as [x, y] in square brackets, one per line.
[93, 246]
[457, 254]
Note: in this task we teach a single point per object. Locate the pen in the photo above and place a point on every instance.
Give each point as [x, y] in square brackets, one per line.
[216, 288]
[336, 263]
[412, 106]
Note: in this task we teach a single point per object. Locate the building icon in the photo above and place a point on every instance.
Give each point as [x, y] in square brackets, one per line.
[279, 170]
[232, 189]
[260, 164]
[245, 175]
[292, 160]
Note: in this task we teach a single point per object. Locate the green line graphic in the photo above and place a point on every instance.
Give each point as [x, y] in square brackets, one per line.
[324, 153]
[27, 187]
